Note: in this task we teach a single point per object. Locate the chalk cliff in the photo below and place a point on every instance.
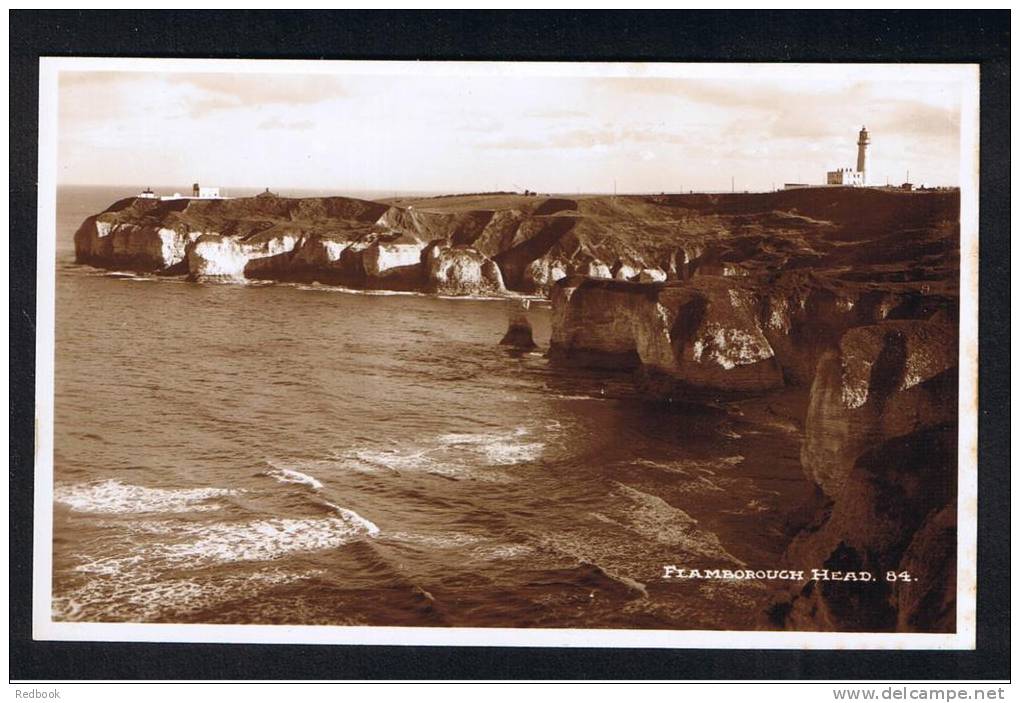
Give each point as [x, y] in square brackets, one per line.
[534, 241]
[858, 316]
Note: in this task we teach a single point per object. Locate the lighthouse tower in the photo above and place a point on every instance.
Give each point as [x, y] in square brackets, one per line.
[862, 154]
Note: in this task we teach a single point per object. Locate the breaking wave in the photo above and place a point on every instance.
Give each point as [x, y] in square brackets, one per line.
[285, 475]
[113, 496]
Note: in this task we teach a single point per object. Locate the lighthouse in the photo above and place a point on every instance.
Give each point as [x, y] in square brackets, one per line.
[862, 154]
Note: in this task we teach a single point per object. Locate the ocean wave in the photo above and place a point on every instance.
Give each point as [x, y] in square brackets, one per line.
[688, 467]
[503, 552]
[437, 540]
[499, 448]
[113, 496]
[603, 558]
[456, 455]
[655, 519]
[137, 596]
[285, 475]
[264, 540]
[370, 528]
[471, 545]
[195, 545]
[394, 460]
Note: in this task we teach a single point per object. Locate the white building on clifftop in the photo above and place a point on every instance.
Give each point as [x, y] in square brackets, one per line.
[844, 177]
[197, 193]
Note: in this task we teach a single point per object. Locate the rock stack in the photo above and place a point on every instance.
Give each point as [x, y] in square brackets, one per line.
[518, 334]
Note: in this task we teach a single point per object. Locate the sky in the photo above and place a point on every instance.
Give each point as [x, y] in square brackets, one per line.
[453, 132]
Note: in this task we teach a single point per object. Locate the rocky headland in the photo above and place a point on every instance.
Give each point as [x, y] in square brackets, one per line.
[839, 305]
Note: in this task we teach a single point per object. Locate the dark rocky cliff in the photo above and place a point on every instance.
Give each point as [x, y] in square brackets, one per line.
[857, 316]
[532, 240]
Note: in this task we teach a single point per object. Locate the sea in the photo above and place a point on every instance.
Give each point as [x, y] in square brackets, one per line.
[304, 454]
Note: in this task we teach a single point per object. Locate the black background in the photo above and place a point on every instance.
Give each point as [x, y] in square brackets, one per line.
[920, 37]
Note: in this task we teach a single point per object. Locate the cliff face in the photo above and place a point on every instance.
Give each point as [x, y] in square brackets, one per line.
[857, 316]
[883, 381]
[533, 241]
[704, 335]
[460, 271]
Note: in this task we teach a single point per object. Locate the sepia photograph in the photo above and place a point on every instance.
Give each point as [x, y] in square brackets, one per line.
[584, 354]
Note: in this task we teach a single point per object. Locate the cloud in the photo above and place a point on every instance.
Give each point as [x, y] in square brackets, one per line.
[452, 131]
[516, 143]
[601, 137]
[226, 91]
[277, 123]
[70, 80]
[556, 114]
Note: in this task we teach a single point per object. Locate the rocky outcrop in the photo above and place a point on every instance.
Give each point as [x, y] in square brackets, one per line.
[542, 273]
[102, 242]
[593, 269]
[693, 338]
[625, 272]
[877, 361]
[391, 259]
[218, 257]
[652, 275]
[895, 520]
[318, 258]
[215, 257]
[383, 261]
[880, 441]
[460, 270]
[884, 381]
[928, 601]
[518, 334]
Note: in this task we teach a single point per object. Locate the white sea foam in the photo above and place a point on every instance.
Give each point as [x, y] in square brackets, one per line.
[194, 545]
[113, 496]
[503, 552]
[285, 475]
[263, 540]
[437, 540]
[500, 448]
[386, 293]
[698, 481]
[607, 557]
[357, 291]
[457, 455]
[655, 519]
[138, 596]
[692, 466]
[395, 460]
[370, 528]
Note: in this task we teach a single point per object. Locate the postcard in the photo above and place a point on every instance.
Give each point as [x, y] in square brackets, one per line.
[496, 353]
